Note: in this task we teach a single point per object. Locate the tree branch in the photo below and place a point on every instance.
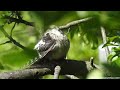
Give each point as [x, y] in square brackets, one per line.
[25, 74]
[74, 23]
[12, 29]
[56, 72]
[68, 67]
[11, 39]
[12, 19]
[71, 77]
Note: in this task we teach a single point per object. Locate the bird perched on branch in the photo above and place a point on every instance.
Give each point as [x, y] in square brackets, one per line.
[54, 45]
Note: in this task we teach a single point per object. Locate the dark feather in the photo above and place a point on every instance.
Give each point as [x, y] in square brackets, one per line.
[48, 46]
[47, 51]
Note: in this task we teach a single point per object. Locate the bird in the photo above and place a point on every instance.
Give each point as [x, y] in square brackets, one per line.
[54, 45]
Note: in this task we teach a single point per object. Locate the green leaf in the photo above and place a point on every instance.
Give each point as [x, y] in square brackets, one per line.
[111, 56]
[18, 58]
[111, 69]
[73, 30]
[111, 39]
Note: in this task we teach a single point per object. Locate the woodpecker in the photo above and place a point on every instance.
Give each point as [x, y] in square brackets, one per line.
[54, 45]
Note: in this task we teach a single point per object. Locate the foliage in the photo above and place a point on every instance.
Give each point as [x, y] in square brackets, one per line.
[84, 38]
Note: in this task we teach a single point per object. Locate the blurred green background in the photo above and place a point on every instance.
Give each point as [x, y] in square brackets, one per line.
[84, 38]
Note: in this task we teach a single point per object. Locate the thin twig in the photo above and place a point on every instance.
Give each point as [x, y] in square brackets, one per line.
[11, 39]
[74, 23]
[12, 29]
[105, 40]
[19, 20]
[5, 42]
[56, 72]
[92, 62]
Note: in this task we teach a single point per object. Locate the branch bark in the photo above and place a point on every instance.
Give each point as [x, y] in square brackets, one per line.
[73, 23]
[68, 67]
[25, 74]
[57, 72]
[71, 77]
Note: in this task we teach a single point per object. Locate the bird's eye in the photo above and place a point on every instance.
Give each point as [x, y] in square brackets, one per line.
[46, 37]
[47, 34]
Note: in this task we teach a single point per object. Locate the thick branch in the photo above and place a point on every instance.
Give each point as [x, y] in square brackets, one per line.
[74, 23]
[25, 74]
[68, 67]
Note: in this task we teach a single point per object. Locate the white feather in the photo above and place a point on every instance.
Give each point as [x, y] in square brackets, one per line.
[55, 34]
[38, 44]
